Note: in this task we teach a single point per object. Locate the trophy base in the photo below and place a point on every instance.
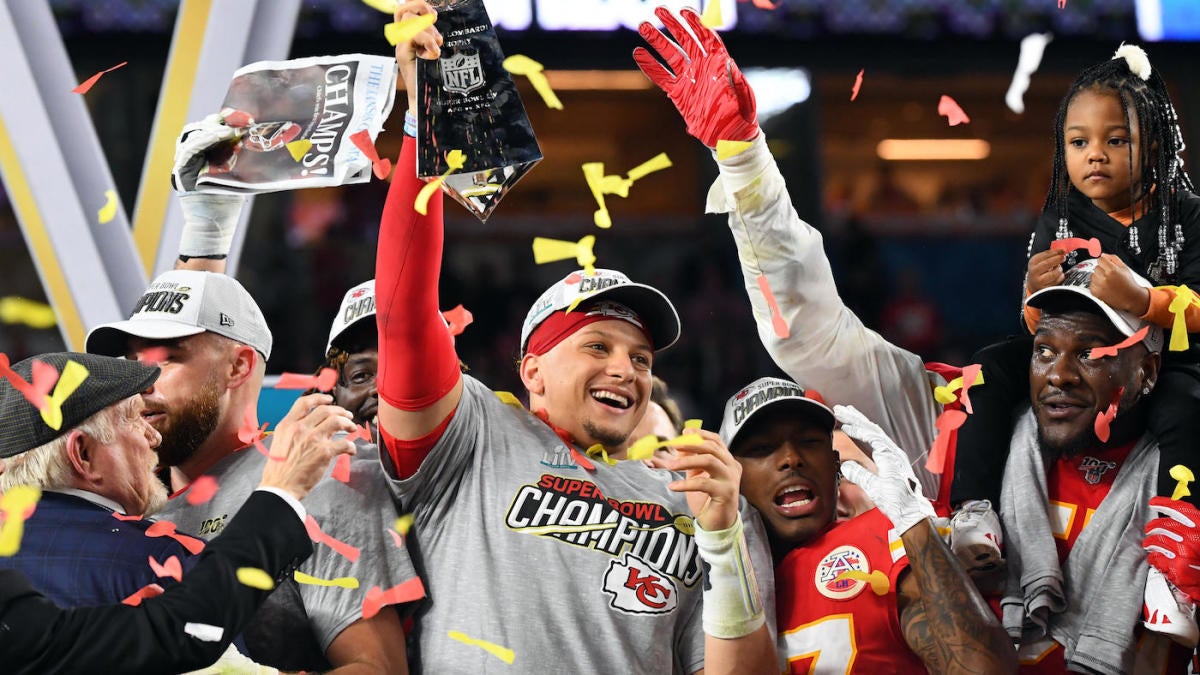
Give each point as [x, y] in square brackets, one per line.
[480, 191]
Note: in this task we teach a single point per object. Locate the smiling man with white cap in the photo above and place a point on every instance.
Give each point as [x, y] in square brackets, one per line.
[526, 496]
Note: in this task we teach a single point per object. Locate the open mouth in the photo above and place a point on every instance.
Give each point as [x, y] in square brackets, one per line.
[796, 500]
[612, 399]
[153, 417]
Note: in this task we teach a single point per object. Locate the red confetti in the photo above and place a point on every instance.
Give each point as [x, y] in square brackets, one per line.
[581, 460]
[815, 395]
[777, 322]
[202, 490]
[44, 377]
[1101, 352]
[1104, 419]
[360, 431]
[1062, 4]
[86, 85]
[378, 598]
[947, 422]
[147, 591]
[573, 278]
[322, 381]
[347, 551]
[857, 85]
[236, 118]
[362, 141]
[152, 356]
[396, 538]
[763, 4]
[969, 375]
[123, 517]
[458, 318]
[170, 568]
[1071, 243]
[341, 468]
[165, 528]
[952, 111]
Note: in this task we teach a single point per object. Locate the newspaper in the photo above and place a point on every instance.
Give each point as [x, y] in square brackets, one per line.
[321, 99]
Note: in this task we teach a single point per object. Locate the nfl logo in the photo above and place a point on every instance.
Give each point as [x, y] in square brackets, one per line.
[461, 73]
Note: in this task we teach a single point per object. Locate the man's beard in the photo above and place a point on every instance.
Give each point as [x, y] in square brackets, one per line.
[158, 498]
[187, 430]
[605, 437]
[1055, 451]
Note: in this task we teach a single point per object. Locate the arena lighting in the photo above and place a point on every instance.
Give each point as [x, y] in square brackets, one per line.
[901, 149]
[598, 80]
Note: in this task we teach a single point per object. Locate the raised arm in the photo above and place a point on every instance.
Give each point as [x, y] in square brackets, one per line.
[827, 348]
[419, 381]
[944, 619]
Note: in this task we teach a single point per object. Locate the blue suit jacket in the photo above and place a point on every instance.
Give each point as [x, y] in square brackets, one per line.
[78, 555]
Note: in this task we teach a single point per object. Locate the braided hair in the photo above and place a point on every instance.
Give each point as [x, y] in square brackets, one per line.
[1129, 76]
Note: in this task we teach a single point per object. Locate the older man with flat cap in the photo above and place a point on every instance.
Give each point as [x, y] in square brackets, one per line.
[99, 426]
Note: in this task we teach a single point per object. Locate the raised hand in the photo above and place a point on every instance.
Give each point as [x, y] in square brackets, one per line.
[425, 45]
[894, 489]
[711, 479]
[1113, 283]
[195, 141]
[1172, 544]
[1045, 270]
[701, 79]
[303, 444]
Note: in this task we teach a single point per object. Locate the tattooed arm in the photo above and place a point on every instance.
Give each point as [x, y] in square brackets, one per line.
[945, 620]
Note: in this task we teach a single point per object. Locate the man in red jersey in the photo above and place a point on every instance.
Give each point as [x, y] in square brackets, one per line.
[877, 593]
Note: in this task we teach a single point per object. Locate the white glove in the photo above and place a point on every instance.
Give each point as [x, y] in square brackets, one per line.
[209, 222]
[894, 489]
[196, 139]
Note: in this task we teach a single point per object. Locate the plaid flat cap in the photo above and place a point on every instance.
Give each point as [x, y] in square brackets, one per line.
[109, 380]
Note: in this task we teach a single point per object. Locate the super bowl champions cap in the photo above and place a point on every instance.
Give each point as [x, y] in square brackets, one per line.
[662, 321]
[358, 305]
[1077, 281]
[764, 393]
[108, 381]
[180, 303]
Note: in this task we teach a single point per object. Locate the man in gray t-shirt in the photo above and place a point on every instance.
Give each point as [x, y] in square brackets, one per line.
[538, 554]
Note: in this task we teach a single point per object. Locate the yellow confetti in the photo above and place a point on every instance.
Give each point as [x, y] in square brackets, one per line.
[503, 653]
[385, 6]
[1184, 298]
[599, 450]
[643, 448]
[693, 424]
[455, 160]
[712, 15]
[299, 148]
[600, 184]
[404, 31]
[73, 375]
[302, 578]
[728, 149]
[552, 250]
[508, 398]
[519, 64]
[1184, 475]
[16, 503]
[403, 524]
[945, 395]
[15, 309]
[109, 210]
[255, 578]
[878, 580]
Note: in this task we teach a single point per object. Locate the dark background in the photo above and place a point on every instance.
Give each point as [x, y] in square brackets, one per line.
[930, 253]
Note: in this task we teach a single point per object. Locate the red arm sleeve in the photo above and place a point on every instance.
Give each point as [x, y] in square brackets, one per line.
[417, 362]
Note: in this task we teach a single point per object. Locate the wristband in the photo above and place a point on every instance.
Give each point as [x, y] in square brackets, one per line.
[410, 124]
[732, 605]
[209, 222]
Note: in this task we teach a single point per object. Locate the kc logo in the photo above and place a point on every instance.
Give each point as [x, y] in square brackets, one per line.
[637, 588]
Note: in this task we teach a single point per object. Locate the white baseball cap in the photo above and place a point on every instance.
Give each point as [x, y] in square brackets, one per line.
[764, 393]
[649, 303]
[358, 305]
[1077, 281]
[180, 303]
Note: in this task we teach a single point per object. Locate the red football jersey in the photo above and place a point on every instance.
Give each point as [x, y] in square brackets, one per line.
[831, 622]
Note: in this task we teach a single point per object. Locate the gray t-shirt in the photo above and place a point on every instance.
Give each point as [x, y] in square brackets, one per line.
[297, 623]
[573, 570]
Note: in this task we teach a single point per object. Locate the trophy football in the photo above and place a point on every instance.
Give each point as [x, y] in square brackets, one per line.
[467, 101]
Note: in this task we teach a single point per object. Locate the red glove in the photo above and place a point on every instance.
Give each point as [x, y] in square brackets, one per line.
[1172, 544]
[703, 81]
